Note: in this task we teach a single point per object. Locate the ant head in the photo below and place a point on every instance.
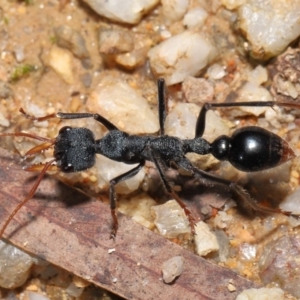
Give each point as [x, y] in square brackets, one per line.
[74, 149]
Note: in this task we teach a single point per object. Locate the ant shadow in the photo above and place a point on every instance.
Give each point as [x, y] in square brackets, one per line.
[203, 196]
[54, 200]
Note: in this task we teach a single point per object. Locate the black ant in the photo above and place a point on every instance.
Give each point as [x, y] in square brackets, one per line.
[249, 149]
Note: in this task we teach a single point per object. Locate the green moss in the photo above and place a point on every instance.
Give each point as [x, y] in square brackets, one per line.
[22, 71]
[53, 39]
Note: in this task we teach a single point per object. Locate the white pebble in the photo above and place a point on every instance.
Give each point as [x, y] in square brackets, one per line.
[253, 92]
[129, 11]
[174, 10]
[170, 219]
[195, 17]
[258, 75]
[14, 266]
[73, 290]
[114, 41]
[172, 268]
[247, 252]
[139, 208]
[262, 294]
[107, 169]
[181, 122]
[292, 202]
[60, 60]
[232, 4]
[205, 240]
[3, 121]
[35, 296]
[216, 72]
[270, 26]
[123, 106]
[182, 55]
[19, 53]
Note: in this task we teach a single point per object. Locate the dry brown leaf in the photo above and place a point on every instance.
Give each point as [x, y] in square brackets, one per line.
[65, 227]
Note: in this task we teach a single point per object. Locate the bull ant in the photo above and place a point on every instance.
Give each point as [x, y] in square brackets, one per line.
[249, 149]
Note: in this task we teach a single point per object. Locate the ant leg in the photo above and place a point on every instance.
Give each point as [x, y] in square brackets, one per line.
[110, 126]
[160, 166]
[162, 105]
[233, 187]
[113, 196]
[200, 125]
[69, 116]
[29, 135]
[46, 166]
[37, 149]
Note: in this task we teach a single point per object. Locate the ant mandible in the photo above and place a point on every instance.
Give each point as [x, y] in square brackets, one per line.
[249, 149]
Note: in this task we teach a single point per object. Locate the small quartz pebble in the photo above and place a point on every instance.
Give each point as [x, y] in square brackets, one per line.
[216, 72]
[174, 10]
[71, 39]
[138, 55]
[114, 41]
[270, 26]
[231, 287]
[195, 17]
[170, 219]
[35, 296]
[14, 266]
[172, 268]
[139, 209]
[280, 263]
[205, 240]
[292, 202]
[193, 87]
[80, 282]
[251, 92]
[181, 122]
[182, 55]
[73, 290]
[262, 294]
[123, 106]
[60, 60]
[107, 169]
[129, 11]
[232, 4]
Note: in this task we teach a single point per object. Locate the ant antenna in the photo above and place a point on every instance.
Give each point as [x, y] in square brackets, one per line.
[30, 195]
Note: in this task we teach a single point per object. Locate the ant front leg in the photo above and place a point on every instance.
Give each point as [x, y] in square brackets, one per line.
[71, 116]
[113, 196]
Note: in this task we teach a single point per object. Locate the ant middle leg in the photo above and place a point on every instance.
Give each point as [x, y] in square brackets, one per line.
[113, 196]
[160, 165]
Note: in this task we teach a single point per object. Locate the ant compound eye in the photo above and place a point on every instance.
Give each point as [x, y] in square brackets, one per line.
[65, 128]
[67, 168]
